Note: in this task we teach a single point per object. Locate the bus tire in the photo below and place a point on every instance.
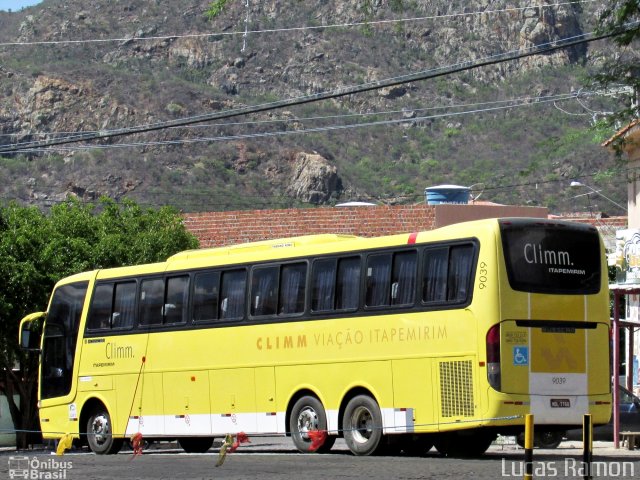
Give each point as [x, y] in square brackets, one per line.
[195, 444]
[362, 426]
[308, 414]
[100, 433]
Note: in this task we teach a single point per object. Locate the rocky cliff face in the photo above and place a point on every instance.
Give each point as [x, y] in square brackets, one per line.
[314, 179]
[146, 75]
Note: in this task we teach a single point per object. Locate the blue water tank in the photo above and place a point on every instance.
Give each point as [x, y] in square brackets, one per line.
[447, 194]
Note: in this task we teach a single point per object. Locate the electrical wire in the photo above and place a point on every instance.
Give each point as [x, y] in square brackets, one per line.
[522, 100]
[337, 116]
[330, 128]
[244, 33]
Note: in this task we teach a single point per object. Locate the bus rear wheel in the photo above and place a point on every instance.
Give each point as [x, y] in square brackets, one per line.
[362, 424]
[308, 415]
[100, 433]
[196, 444]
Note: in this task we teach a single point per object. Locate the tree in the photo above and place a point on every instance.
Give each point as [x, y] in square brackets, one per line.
[38, 249]
[623, 67]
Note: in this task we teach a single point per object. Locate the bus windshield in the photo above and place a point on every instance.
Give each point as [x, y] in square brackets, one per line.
[547, 257]
[60, 335]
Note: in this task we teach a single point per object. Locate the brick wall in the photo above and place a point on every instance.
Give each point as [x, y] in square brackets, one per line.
[215, 229]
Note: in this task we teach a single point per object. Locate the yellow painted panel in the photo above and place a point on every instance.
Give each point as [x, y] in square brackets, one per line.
[599, 373]
[148, 396]
[185, 392]
[55, 421]
[413, 388]
[265, 389]
[556, 352]
[92, 383]
[557, 307]
[233, 390]
[515, 378]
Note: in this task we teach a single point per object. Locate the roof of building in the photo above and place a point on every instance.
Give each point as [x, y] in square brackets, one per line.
[630, 129]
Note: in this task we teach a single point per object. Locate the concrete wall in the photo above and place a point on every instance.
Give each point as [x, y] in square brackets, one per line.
[6, 424]
[631, 148]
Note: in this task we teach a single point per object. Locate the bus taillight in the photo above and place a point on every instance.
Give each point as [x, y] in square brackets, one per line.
[493, 356]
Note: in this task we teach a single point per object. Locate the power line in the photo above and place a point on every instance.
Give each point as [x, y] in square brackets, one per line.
[329, 128]
[246, 32]
[333, 117]
[524, 100]
[410, 78]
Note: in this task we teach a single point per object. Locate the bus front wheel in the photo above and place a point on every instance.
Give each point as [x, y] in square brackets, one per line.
[100, 433]
[362, 424]
[308, 415]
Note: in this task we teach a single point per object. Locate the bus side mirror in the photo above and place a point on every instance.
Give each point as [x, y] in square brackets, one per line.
[31, 331]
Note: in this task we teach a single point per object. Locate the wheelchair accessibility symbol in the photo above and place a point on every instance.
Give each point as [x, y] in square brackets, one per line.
[520, 356]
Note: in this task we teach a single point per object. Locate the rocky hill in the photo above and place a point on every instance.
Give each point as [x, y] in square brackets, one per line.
[140, 62]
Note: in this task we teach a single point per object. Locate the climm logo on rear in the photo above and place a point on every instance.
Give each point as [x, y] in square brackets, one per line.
[536, 254]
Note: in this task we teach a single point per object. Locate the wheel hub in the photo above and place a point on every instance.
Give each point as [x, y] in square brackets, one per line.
[307, 420]
[362, 424]
[100, 429]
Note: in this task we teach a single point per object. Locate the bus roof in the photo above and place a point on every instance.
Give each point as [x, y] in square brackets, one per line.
[242, 248]
[300, 246]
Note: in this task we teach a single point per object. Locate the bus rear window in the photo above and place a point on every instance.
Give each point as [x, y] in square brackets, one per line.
[551, 257]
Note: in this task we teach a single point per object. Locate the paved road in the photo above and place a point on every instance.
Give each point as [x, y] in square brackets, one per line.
[274, 458]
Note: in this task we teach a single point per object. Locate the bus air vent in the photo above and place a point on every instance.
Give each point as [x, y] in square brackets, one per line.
[456, 389]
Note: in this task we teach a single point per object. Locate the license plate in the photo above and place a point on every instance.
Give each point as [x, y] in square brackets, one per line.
[560, 403]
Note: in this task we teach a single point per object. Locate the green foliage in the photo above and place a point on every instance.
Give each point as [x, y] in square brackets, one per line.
[175, 108]
[397, 6]
[621, 17]
[37, 250]
[215, 8]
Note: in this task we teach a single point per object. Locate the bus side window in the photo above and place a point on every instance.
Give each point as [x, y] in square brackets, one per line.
[264, 291]
[100, 311]
[177, 301]
[460, 267]
[124, 303]
[403, 278]
[292, 288]
[378, 280]
[151, 301]
[233, 286]
[205, 296]
[434, 282]
[323, 285]
[348, 283]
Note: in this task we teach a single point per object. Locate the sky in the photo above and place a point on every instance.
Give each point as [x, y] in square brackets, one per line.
[16, 5]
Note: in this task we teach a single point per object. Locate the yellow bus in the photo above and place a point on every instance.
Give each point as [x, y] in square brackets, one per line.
[444, 337]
